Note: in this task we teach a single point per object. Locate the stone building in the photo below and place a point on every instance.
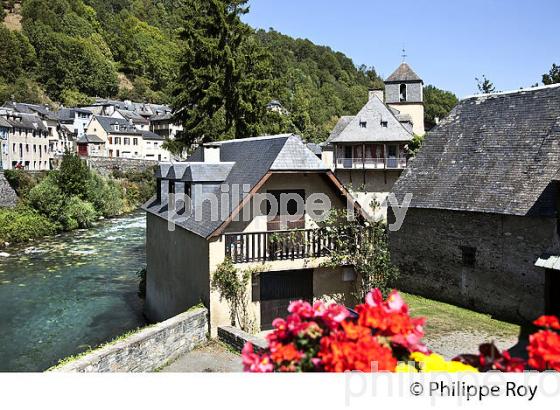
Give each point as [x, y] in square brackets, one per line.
[283, 249]
[484, 207]
[368, 151]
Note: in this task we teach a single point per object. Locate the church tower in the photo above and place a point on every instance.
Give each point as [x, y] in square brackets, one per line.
[404, 93]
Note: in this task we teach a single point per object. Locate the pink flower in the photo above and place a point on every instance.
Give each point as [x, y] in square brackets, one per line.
[301, 308]
[252, 362]
[374, 298]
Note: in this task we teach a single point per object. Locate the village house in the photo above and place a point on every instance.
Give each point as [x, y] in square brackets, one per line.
[283, 251]
[482, 229]
[165, 126]
[368, 151]
[26, 141]
[121, 139]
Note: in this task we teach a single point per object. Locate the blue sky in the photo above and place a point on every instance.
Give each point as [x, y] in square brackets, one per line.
[448, 43]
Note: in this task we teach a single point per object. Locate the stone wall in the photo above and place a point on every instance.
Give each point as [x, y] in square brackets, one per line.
[8, 197]
[504, 282]
[236, 338]
[148, 349]
[105, 166]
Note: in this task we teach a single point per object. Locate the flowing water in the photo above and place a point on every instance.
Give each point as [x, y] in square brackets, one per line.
[61, 295]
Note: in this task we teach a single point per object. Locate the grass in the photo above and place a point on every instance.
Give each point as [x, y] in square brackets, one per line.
[444, 318]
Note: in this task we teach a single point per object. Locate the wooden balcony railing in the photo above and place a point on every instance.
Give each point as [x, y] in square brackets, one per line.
[371, 163]
[277, 245]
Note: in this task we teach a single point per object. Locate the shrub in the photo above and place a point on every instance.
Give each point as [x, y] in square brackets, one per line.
[22, 181]
[105, 195]
[78, 214]
[22, 224]
[47, 198]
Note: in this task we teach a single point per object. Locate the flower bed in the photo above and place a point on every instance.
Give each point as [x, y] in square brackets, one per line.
[382, 336]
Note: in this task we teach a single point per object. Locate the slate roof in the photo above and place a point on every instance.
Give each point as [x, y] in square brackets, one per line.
[132, 116]
[27, 121]
[124, 126]
[246, 162]
[338, 128]
[403, 74]
[90, 139]
[5, 123]
[372, 114]
[149, 135]
[495, 153]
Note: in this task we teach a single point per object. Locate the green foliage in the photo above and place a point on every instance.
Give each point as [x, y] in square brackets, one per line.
[73, 175]
[17, 55]
[485, 86]
[106, 195]
[553, 76]
[48, 199]
[232, 286]
[22, 181]
[363, 245]
[73, 98]
[224, 74]
[22, 224]
[415, 144]
[437, 104]
[78, 214]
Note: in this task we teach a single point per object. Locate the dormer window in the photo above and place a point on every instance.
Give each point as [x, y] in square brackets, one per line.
[402, 92]
[363, 124]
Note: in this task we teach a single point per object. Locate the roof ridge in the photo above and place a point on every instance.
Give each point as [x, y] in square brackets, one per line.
[507, 92]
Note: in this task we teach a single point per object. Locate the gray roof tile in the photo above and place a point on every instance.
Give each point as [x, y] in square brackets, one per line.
[496, 153]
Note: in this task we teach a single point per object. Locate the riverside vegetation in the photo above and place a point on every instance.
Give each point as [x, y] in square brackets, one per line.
[69, 198]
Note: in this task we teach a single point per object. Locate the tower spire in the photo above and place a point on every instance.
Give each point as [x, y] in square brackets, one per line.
[404, 55]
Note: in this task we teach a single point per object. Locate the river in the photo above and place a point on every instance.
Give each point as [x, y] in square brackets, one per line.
[60, 295]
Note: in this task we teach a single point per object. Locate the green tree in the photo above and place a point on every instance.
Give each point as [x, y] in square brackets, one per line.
[485, 86]
[437, 104]
[72, 176]
[17, 55]
[222, 73]
[553, 76]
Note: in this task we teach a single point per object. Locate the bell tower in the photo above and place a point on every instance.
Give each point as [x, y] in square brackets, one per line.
[404, 92]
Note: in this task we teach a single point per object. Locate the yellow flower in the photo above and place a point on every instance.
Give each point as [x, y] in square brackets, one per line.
[403, 367]
[436, 363]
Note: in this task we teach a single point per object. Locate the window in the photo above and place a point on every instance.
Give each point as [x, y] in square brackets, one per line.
[384, 124]
[110, 140]
[117, 140]
[126, 141]
[135, 141]
[468, 256]
[402, 92]
[363, 124]
[286, 206]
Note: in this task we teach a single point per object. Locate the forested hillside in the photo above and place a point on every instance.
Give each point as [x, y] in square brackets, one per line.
[67, 51]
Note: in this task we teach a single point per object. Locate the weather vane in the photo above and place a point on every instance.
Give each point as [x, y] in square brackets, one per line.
[404, 55]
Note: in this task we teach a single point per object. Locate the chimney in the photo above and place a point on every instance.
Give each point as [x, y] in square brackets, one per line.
[376, 92]
[211, 153]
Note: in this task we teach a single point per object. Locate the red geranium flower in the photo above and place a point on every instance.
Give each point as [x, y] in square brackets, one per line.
[544, 350]
[550, 322]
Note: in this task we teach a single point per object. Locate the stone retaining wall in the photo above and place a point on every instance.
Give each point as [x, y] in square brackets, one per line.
[8, 197]
[105, 166]
[236, 338]
[148, 349]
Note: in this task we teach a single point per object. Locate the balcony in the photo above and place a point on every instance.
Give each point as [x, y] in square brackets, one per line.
[277, 245]
[371, 163]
